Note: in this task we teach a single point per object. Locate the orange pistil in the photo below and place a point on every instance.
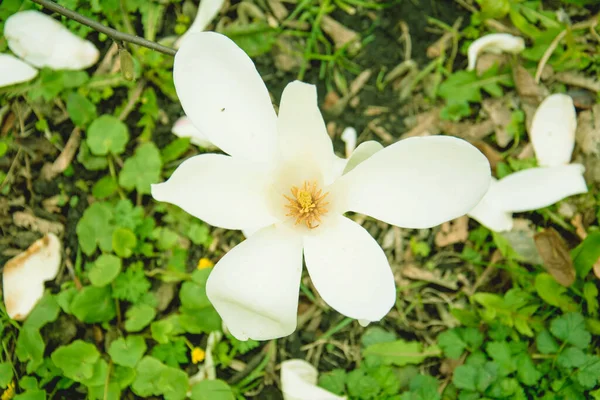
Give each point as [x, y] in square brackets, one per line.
[307, 204]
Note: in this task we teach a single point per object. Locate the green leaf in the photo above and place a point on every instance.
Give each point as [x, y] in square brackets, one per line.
[571, 357]
[76, 360]
[124, 242]
[172, 353]
[362, 386]
[94, 228]
[451, 344]
[212, 390]
[131, 285]
[422, 387]
[494, 8]
[138, 317]
[203, 320]
[589, 374]
[546, 343]
[553, 293]
[255, 38]
[90, 162]
[376, 334]
[475, 378]
[193, 296]
[44, 312]
[35, 394]
[586, 254]
[590, 294]
[175, 149]
[80, 109]
[199, 233]
[104, 270]
[142, 169]
[500, 352]
[401, 353]
[570, 328]
[105, 187]
[30, 348]
[334, 381]
[155, 378]
[127, 351]
[107, 135]
[526, 370]
[165, 329]
[93, 304]
[6, 374]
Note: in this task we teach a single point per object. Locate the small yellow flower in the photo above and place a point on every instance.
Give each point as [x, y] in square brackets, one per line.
[197, 355]
[9, 393]
[205, 263]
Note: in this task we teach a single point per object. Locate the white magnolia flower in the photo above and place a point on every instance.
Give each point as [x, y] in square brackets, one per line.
[553, 138]
[44, 42]
[13, 71]
[184, 127]
[299, 382]
[281, 179]
[207, 11]
[23, 276]
[494, 43]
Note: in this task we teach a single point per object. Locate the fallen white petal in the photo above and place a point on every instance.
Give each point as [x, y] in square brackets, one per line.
[494, 43]
[207, 11]
[13, 71]
[184, 127]
[553, 130]
[350, 270]
[23, 276]
[303, 138]
[44, 42]
[535, 188]
[362, 152]
[223, 191]
[488, 215]
[299, 382]
[223, 94]
[349, 138]
[418, 182]
[255, 286]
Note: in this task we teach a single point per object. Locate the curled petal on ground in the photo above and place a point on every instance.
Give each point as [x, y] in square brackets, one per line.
[13, 71]
[184, 127]
[417, 183]
[223, 94]
[299, 382]
[535, 188]
[494, 43]
[44, 42]
[553, 130]
[23, 276]
[255, 286]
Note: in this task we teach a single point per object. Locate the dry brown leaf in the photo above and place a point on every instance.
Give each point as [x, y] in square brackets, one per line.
[554, 252]
[452, 232]
[340, 34]
[49, 171]
[31, 222]
[412, 271]
[426, 124]
[286, 54]
[501, 115]
[588, 131]
[577, 222]
[527, 89]
[467, 130]
[493, 156]
[579, 80]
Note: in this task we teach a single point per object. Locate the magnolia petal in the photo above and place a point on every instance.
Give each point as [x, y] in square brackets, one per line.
[44, 42]
[303, 138]
[349, 270]
[223, 191]
[494, 43]
[418, 182]
[184, 127]
[488, 215]
[553, 130]
[299, 382]
[536, 188]
[362, 152]
[349, 136]
[207, 11]
[23, 276]
[224, 96]
[13, 71]
[255, 286]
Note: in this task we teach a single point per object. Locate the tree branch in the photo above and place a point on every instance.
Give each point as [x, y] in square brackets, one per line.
[113, 33]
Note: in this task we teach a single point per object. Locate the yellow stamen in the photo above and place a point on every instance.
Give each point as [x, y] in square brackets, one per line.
[307, 204]
[197, 355]
[205, 263]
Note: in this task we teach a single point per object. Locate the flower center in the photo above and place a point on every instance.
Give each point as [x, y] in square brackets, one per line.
[307, 205]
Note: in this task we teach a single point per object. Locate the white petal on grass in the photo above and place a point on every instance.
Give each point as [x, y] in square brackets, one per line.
[13, 71]
[303, 137]
[489, 215]
[299, 382]
[349, 138]
[223, 191]
[362, 152]
[224, 96]
[23, 276]
[553, 130]
[418, 182]
[184, 127]
[350, 270]
[494, 43]
[255, 286]
[207, 11]
[536, 188]
[44, 42]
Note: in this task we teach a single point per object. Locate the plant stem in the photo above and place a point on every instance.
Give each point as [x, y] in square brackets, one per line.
[113, 33]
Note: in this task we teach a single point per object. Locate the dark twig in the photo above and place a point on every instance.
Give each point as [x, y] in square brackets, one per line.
[113, 33]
